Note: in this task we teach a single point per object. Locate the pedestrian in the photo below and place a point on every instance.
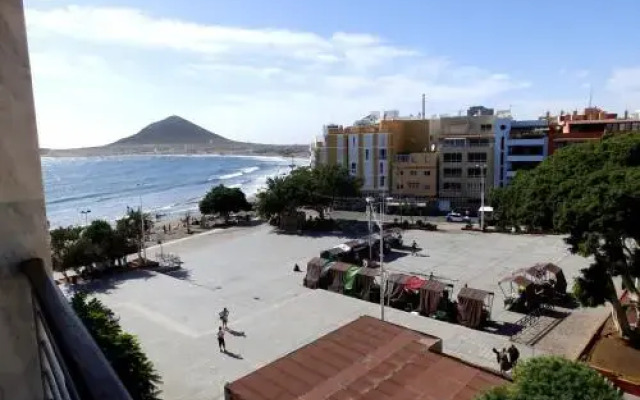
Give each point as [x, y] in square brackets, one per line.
[414, 248]
[505, 365]
[224, 317]
[514, 354]
[221, 344]
[497, 353]
[296, 268]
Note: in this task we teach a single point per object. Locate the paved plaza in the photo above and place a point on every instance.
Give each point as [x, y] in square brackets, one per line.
[250, 271]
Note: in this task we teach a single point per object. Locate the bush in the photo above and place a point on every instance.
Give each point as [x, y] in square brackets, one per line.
[121, 349]
[551, 378]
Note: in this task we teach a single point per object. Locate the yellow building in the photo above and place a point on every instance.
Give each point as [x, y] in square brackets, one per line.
[368, 147]
[415, 175]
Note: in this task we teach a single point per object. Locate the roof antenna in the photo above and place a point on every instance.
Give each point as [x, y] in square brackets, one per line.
[590, 94]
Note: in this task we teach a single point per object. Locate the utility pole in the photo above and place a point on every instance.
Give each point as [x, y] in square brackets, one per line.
[86, 216]
[143, 248]
[482, 183]
[383, 286]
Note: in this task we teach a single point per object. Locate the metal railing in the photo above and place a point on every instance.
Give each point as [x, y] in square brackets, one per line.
[73, 366]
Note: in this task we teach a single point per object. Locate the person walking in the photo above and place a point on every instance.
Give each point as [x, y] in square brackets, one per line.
[224, 317]
[414, 248]
[221, 344]
[514, 354]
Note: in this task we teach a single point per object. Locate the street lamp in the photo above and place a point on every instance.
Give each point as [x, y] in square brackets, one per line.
[86, 216]
[482, 183]
[143, 248]
[380, 222]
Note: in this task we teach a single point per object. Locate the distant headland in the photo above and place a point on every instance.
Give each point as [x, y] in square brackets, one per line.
[176, 135]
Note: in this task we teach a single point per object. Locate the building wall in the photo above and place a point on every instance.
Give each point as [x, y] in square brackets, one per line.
[455, 180]
[415, 175]
[511, 139]
[23, 226]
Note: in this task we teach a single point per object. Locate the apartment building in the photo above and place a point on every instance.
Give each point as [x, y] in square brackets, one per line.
[465, 161]
[519, 145]
[592, 124]
[415, 175]
[367, 147]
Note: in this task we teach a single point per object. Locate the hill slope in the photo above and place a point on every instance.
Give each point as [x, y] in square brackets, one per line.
[173, 130]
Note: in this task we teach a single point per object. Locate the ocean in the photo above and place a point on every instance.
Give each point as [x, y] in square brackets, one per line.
[168, 185]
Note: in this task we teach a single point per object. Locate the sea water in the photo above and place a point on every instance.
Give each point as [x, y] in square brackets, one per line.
[166, 185]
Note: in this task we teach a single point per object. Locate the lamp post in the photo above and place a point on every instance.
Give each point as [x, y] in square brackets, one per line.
[380, 222]
[143, 248]
[86, 216]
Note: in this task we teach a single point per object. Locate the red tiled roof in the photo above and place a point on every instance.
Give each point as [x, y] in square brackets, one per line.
[366, 359]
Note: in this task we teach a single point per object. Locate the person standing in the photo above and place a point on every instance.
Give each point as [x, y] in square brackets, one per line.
[514, 354]
[221, 344]
[414, 248]
[224, 317]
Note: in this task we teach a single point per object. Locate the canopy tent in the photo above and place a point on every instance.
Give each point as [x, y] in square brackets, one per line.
[363, 282]
[337, 272]
[550, 273]
[430, 295]
[314, 272]
[474, 306]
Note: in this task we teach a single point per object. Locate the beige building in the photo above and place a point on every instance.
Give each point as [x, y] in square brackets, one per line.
[465, 149]
[368, 147]
[415, 175]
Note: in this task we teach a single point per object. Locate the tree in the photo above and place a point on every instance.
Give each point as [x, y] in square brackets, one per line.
[224, 200]
[316, 188]
[129, 229]
[121, 349]
[552, 378]
[591, 193]
[62, 245]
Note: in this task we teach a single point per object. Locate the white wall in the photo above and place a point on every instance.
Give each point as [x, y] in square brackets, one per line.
[340, 149]
[368, 164]
[353, 152]
[383, 165]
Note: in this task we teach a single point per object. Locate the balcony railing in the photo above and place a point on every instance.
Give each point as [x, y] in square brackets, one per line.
[73, 366]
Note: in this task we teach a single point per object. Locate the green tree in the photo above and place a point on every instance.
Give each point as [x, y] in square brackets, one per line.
[591, 193]
[129, 230]
[62, 243]
[553, 378]
[121, 349]
[316, 188]
[224, 200]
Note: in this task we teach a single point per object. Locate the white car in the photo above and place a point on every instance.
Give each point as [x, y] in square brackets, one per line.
[456, 217]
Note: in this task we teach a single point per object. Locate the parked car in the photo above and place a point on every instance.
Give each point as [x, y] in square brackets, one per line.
[457, 217]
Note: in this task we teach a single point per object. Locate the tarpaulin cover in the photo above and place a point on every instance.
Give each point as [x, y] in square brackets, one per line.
[413, 283]
[470, 312]
[430, 296]
[350, 277]
[337, 273]
[314, 270]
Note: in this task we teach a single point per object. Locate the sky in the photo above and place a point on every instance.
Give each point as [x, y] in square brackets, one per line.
[276, 71]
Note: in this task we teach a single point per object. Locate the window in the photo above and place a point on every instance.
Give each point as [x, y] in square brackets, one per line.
[413, 173]
[473, 186]
[474, 172]
[427, 173]
[354, 141]
[485, 127]
[413, 185]
[366, 154]
[353, 168]
[452, 186]
[381, 168]
[427, 187]
[452, 172]
[453, 157]
[401, 173]
[383, 154]
[382, 181]
[477, 157]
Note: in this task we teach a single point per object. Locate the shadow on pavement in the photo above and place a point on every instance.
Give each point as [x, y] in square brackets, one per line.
[502, 328]
[181, 273]
[236, 333]
[108, 283]
[233, 355]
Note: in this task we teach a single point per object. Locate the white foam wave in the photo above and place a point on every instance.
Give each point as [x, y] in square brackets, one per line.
[249, 170]
[230, 176]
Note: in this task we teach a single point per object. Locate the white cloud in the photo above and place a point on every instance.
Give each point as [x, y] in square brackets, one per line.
[94, 83]
[625, 80]
[582, 74]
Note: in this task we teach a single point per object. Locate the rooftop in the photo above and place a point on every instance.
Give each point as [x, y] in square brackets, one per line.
[366, 358]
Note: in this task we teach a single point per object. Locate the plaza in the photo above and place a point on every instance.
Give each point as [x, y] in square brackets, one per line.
[250, 271]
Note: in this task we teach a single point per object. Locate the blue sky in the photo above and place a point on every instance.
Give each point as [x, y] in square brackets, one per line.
[276, 71]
